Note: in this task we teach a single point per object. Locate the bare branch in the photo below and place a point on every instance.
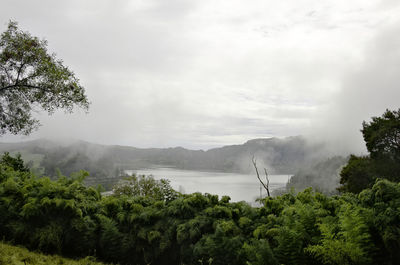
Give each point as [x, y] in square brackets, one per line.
[266, 176]
[20, 69]
[21, 85]
[258, 176]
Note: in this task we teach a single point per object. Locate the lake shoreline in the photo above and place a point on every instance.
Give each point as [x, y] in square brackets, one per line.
[239, 187]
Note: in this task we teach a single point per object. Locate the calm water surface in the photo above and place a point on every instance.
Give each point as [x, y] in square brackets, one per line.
[239, 187]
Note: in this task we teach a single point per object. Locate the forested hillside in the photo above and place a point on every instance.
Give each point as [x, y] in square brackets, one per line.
[323, 176]
[145, 221]
[134, 227]
[105, 163]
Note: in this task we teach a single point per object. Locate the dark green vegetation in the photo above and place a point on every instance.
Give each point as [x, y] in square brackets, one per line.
[382, 137]
[143, 186]
[46, 158]
[355, 173]
[31, 77]
[135, 226]
[11, 255]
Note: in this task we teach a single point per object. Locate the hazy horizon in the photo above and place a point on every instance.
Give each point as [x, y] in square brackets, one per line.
[205, 74]
[65, 140]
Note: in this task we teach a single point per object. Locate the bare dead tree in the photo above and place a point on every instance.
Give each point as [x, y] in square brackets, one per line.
[266, 177]
[265, 185]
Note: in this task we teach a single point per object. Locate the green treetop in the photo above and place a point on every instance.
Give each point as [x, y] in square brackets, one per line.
[382, 138]
[32, 78]
[382, 135]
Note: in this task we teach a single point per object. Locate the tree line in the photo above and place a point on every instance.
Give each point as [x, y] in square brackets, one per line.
[147, 222]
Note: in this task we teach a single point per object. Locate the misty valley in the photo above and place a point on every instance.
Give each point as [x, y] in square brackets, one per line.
[176, 149]
[279, 156]
[225, 171]
[180, 206]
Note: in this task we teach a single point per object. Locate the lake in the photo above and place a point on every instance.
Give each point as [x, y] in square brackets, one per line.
[240, 187]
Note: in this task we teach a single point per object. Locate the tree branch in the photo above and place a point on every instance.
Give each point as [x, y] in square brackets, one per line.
[266, 176]
[22, 85]
[258, 176]
[6, 71]
[19, 72]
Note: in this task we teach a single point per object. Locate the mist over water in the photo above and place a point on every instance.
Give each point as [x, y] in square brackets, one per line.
[239, 187]
[313, 69]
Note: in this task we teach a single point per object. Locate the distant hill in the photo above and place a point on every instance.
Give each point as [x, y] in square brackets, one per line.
[323, 176]
[105, 162]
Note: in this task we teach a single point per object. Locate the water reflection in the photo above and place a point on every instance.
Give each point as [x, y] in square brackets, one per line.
[239, 187]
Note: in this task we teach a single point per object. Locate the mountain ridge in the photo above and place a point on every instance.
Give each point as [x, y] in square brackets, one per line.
[280, 155]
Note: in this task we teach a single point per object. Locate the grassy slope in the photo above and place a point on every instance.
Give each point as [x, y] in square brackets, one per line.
[11, 255]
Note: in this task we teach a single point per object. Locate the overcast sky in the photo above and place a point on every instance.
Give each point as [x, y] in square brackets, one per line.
[206, 73]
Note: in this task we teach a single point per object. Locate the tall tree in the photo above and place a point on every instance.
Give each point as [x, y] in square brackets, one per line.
[382, 135]
[32, 78]
[15, 163]
[358, 174]
[382, 138]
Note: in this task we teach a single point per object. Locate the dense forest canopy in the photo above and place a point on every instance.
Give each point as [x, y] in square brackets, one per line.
[67, 218]
[146, 222]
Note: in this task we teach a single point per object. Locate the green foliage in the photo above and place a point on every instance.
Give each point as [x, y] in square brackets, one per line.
[15, 163]
[144, 226]
[51, 216]
[11, 255]
[358, 174]
[384, 201]
[258, 252]
[382, 135]
[145, 186]
[31, 77]
[382, 138]
[345, 238]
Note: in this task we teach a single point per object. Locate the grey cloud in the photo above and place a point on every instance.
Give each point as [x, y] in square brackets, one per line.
[366, 91]
[196, 74]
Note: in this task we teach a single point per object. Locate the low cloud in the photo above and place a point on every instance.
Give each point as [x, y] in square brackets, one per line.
[209, 73]
[367, 90]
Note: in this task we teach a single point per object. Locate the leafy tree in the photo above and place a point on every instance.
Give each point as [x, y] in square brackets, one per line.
[382, 138]
[357, 175]
[53, 216]
[258, 252]
[147, 187]
[384, 200]
[32, 77]
[15, 163]
[382, 135]
[345, 238]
